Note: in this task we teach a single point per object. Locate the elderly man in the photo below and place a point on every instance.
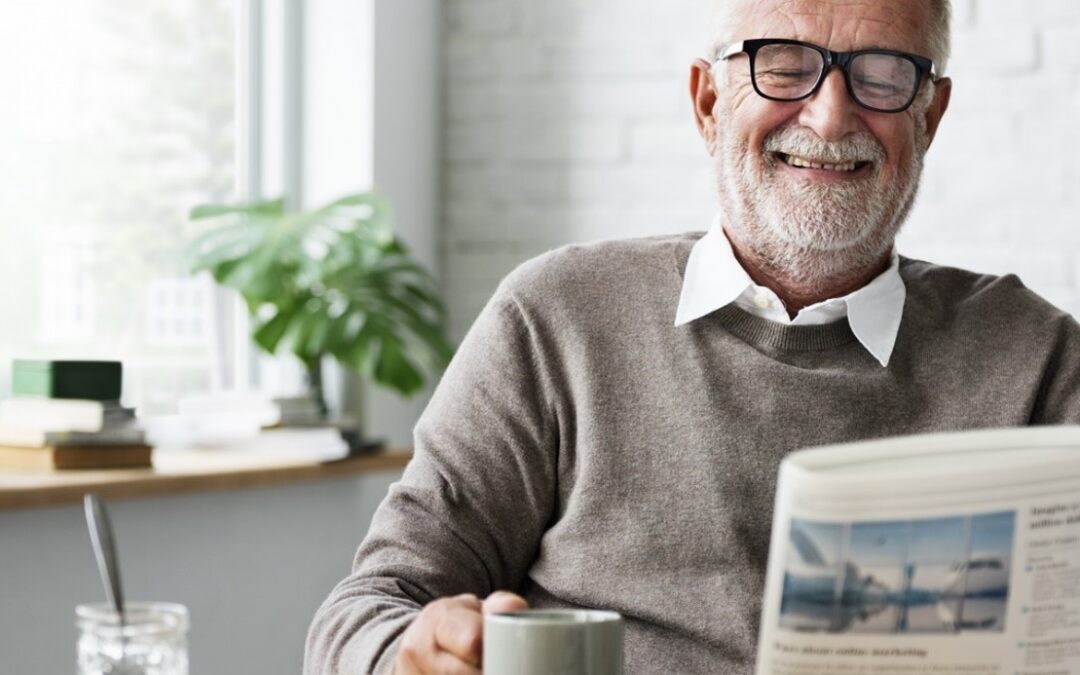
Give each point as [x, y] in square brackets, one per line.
[609, 433]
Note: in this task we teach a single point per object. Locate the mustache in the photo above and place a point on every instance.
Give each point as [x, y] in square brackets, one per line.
[799, 141]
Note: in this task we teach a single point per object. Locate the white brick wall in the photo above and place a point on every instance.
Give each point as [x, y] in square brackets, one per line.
[569, 120]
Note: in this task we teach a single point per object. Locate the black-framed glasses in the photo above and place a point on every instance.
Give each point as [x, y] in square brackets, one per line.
[790, 70]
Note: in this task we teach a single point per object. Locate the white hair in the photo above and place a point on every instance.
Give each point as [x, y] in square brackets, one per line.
[939, 41]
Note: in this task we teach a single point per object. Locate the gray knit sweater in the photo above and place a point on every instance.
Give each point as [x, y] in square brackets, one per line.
[584, 452]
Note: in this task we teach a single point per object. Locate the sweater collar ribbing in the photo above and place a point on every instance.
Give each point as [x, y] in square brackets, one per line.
[772, 335]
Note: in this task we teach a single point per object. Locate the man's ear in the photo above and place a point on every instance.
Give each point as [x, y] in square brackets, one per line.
[942, 93]
[703, 96]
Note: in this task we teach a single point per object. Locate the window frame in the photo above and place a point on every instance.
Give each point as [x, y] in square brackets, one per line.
[269, 156]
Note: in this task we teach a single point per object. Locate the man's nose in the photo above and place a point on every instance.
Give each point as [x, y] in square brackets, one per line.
[830, 112]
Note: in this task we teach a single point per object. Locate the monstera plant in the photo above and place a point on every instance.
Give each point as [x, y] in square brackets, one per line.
[332, 281]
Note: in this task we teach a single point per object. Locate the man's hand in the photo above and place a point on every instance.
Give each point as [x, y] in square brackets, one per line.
[447, 637]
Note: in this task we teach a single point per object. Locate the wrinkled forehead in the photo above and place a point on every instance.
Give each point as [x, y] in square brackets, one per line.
[841, 25]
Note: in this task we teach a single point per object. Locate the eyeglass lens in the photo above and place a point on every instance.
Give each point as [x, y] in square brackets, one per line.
[879, 81]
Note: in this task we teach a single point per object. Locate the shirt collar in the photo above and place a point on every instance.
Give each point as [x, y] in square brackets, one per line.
[715, 278]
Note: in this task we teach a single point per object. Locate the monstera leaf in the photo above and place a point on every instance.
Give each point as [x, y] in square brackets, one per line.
[333, 281]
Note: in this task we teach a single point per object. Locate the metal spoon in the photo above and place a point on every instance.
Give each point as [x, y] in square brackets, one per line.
[101, 536]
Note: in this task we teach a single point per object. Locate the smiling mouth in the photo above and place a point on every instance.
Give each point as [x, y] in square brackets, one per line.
[807, 163]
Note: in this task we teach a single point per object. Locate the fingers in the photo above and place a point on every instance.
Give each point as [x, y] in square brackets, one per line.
[444, 639]
[460, 629]
[447, 637]
[440, 663]
[504, 601]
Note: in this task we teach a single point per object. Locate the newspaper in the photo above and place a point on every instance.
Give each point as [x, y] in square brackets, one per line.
[947, 554]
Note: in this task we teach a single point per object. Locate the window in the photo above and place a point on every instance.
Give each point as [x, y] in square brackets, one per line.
[118, 116]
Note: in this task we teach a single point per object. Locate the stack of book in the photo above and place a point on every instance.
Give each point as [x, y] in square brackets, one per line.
[300, 411]
[67, 415]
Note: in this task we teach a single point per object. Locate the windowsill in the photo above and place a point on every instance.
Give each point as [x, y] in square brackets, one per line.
[178, 472]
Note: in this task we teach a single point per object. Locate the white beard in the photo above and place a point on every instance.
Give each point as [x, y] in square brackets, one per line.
[814, 236]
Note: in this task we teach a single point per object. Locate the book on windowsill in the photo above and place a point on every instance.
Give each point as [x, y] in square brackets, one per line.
[50, 433]
[50, 414]
[23, 437]
[65, 415]
[76, 457]
[63, 379]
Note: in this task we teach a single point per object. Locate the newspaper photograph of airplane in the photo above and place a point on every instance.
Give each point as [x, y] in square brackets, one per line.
[939, 575]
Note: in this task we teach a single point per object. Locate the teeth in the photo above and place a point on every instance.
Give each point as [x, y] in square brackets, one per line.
[807, 164]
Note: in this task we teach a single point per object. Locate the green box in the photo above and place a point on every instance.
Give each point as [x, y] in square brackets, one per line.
[95, 380]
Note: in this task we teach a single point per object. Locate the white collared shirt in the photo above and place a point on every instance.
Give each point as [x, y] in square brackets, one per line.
[715, 278]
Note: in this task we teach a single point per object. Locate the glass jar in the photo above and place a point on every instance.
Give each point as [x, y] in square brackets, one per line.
[152, 641]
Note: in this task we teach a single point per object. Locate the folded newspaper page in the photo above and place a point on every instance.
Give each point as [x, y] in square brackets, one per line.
[941, 554]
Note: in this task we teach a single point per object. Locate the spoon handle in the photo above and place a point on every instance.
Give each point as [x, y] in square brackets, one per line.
[101, 536]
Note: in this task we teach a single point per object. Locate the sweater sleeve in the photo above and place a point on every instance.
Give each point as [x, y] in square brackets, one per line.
[470, 509]
[1058, 401]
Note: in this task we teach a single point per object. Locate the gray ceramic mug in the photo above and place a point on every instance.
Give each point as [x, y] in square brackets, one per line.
[553, 642]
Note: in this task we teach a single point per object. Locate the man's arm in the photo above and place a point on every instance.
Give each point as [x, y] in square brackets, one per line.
[1058, 401]
[469, 512]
